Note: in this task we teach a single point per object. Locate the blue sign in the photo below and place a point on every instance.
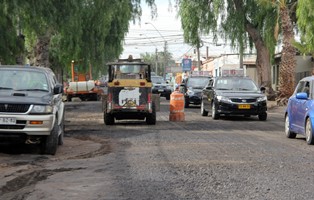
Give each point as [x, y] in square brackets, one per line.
[186, 64]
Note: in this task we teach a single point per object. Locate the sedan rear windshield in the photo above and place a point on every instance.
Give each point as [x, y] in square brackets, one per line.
[197, 82]
[237, 84]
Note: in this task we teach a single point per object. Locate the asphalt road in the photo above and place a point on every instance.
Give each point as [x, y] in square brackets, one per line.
[201, 158]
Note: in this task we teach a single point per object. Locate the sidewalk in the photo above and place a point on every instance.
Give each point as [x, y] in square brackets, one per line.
[271, 104]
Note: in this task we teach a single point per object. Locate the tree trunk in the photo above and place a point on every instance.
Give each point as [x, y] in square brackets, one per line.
[42, 51]
[288, 61]
[263, 64]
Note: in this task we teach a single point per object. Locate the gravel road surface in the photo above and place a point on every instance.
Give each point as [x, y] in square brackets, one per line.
[201, 158]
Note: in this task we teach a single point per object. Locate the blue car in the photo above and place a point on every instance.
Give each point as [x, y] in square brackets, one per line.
[299, 115]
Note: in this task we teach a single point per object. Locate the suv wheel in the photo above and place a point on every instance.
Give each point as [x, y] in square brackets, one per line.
[288, 132]
[61, 129]
[203, 111]
[50, 142]
[151, 118]
[215, 115]
[262, 116]
[108, 119]
[308, 132]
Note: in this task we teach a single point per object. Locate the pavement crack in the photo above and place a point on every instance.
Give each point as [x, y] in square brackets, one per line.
[30, 179]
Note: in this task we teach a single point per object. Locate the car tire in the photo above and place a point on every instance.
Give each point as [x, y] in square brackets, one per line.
[288, 132]
[61, 128]
[168, 97]
[186, 103]
[50, 142]
[309, 132]
[203, 111]
[215, 114]
[262, 116]
[108, 119]
[151, 118]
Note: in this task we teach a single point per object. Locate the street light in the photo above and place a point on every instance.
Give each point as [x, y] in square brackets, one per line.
[165, 42]
[156, 64]
[156, 30]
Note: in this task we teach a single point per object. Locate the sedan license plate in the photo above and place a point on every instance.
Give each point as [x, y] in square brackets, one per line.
[160, 90]
[244, 106]
[7, 120]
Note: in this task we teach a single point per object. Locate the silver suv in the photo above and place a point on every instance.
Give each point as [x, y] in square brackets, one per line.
[31, 107]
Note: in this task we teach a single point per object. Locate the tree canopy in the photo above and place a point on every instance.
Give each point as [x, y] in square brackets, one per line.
[241, 23]
[305, 20]
[89, 30]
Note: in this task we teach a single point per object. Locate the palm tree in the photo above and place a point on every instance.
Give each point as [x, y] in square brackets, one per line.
[288, 62]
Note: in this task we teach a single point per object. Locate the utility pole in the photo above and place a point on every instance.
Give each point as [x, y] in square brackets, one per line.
[165, 45]
[156, 58]
[198, 46]
[156, 64]
[165, 58]
[198, 58]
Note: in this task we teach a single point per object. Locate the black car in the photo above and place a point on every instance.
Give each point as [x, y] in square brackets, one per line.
[192, 88]
[160, 86]
[234, 96]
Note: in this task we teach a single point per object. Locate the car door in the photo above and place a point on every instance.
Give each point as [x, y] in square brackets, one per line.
[300, 107]
[206, 94]
[57, 98]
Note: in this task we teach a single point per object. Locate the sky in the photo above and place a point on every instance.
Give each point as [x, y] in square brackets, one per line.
[150, 34]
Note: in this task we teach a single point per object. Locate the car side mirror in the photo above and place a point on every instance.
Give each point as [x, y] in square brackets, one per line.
[58, 89]
[302, 95]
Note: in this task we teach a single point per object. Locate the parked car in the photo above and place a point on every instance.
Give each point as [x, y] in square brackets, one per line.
[299, 115]
[233, 95]
[31, 107]
[192, 87]
[160, 86]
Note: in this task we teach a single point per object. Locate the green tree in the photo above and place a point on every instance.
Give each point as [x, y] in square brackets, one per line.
[243, 23]
[12, 44]
[288, 53]
[159, 60]
[60, 31]
[305, 20]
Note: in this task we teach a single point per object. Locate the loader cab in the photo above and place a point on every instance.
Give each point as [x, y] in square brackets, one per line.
[129, 92]
[129, 69]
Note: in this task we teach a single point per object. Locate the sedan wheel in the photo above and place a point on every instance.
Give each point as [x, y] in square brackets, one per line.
[215, 115]
[308, 132]
[288, 132]
[203, 111]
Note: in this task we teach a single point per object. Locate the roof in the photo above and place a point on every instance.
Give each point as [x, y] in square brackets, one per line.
[129, 61]
[25, 67]
[308, 78]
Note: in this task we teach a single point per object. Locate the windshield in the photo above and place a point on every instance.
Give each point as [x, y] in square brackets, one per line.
[238, 84]
[197, 82]
[130, 71]
[158, 79]
[23, 80]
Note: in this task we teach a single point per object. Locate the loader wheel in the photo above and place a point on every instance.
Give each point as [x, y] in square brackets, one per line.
[108, 119]
[151, 118]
